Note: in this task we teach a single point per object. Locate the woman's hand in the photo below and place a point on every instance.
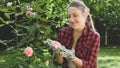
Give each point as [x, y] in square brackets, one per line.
[59, 58]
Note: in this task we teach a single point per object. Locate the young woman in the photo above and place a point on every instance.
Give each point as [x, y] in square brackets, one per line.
[80, 36]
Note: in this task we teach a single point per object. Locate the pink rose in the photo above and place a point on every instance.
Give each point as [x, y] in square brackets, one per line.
[56, 44]
[46, 62]
[28, 12]
[28, 51]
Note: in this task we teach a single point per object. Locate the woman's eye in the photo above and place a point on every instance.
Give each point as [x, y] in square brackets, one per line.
[72, 16]
[75, 15]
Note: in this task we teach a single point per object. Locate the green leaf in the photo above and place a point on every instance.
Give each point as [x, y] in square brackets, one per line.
[20, 66]
[3, 10]
[3, 42]
[1, 19]
[1, 25]
[18, 14]
[8, 22]
[7, 15]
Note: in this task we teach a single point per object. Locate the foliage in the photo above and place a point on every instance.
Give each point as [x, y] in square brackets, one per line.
[12, 58]
[28, 23]
[106, 15]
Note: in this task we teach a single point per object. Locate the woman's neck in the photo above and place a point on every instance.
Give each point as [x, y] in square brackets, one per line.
[77, 34]
[78, 31]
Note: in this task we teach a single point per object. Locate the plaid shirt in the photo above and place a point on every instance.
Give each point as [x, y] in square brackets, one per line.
[87, 46]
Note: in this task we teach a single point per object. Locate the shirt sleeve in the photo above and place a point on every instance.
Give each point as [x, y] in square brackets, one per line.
[91, 58]
[60, 36]
[60, 39]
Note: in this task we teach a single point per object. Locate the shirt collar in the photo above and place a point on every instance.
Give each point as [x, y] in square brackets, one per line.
[71, 31]
[85, 31]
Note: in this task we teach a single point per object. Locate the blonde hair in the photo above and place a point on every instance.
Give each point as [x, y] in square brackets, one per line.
[80, 5]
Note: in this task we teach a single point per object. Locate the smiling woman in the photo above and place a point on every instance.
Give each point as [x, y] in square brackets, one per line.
[79, 36]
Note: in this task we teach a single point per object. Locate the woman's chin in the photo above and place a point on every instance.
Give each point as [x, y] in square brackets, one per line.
[74, 27]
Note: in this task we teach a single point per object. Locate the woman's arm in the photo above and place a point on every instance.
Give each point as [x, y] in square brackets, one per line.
[58, 57]
[78, 62]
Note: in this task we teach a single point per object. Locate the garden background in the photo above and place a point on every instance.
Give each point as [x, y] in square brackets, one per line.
[26, 23]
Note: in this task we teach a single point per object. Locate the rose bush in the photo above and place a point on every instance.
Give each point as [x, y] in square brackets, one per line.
[26, 23]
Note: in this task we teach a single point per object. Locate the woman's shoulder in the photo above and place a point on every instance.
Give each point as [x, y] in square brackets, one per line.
[94, 33]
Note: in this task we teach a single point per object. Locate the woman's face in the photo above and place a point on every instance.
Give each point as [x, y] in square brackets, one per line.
[76, 18]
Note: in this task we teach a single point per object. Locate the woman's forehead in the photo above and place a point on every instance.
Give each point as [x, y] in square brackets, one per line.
[73, 10]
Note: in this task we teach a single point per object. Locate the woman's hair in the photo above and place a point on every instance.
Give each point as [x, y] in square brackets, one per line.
[80, 5]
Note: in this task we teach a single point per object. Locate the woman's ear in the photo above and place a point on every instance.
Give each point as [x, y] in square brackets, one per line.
[85, 13]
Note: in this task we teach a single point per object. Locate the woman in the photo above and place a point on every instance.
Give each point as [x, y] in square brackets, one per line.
[80, 36]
